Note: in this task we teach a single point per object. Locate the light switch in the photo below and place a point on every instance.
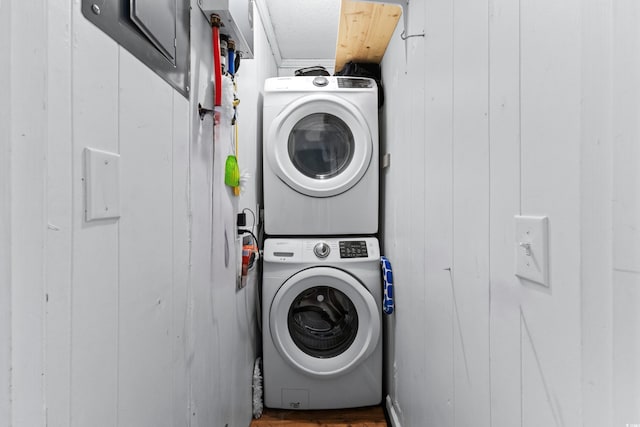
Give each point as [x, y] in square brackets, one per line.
[532, 248]
[102, 183]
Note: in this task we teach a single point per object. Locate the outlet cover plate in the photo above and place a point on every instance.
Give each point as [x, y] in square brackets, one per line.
[532, 248]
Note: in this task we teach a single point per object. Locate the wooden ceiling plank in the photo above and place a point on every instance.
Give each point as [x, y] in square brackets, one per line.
[364, 31]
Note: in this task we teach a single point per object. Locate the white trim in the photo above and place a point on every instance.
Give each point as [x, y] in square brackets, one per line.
[391, 411]
[265, 17]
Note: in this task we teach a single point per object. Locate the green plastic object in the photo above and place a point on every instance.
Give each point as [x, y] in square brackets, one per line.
[232, 172]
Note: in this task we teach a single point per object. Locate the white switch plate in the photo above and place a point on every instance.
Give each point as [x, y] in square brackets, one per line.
[532, 248]
[102, 183]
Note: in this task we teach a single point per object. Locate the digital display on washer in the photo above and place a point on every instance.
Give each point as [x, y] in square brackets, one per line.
[353, 249]
[347, 83]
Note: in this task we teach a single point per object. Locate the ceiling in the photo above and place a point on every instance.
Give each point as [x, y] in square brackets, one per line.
[304, 33]
[301, 32]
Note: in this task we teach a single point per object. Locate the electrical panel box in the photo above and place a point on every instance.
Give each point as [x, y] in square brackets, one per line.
[237, 21]
[154, 31]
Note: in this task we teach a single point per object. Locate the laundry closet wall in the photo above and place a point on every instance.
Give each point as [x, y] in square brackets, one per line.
[508, 108]
[129, 322]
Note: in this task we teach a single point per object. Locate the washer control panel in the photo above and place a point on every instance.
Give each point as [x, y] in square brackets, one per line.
[353, 249]
[322, 250]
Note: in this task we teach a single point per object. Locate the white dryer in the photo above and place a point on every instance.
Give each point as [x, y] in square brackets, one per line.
[320, 156]
[321, 323]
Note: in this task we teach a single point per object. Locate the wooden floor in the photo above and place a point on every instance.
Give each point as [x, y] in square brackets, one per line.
[360, 417]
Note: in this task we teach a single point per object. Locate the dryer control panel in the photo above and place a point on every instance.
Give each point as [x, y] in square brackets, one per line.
[355, 83]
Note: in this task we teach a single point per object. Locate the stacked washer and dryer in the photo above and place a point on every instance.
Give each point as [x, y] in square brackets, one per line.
[321, 289]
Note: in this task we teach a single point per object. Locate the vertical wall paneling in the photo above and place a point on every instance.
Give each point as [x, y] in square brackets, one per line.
[550, 155]
[387, 212]
[180, 256]
[145, 108]
[222, 346]
[627, 108]
[626, 348]
[114, 322]
[438, 207]
[250, 78]
[403, 213]
[202, 350]
[60, 212]
[5, 214]
[504, 194]
[94, 302]
[526, 101]
[411, 320]
[28, 194]
[471, 213]
[250, 82]
[596, 212]
[626, 213]
[222, 276]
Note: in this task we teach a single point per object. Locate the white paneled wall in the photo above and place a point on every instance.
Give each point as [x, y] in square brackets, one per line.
[251, 76]
[127, 322]
[5, 217]
[626, 212]
[509, 108]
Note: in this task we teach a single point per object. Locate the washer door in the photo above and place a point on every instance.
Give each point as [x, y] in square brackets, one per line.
[324, 322]
[319, 145]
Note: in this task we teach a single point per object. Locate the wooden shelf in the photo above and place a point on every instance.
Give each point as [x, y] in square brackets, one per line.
[359, 417]
[364, 31]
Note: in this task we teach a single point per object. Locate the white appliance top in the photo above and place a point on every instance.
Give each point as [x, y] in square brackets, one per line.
[320, 84]
[322, 250]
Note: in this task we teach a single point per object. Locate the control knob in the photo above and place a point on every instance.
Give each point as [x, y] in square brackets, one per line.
[321, 81]
[321, 250]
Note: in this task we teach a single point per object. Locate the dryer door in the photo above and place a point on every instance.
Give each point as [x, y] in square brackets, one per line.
[320, 145]
[324, 322]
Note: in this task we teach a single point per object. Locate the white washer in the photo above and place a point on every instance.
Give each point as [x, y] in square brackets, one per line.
[320, 156]
[321, 323]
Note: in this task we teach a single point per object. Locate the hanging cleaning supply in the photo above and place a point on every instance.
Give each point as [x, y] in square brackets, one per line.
[236, 188]
[232, 172]
[257, 388]
[387, 277]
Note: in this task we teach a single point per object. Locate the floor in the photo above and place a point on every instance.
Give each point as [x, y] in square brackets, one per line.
[359, 417]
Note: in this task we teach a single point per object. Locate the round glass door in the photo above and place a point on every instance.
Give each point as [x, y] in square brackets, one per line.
[319, 145]
[324, 322]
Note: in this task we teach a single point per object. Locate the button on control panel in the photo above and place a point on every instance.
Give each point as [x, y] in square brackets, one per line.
[353, 249]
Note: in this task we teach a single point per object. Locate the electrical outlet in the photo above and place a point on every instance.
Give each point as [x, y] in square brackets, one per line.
[532, 248]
